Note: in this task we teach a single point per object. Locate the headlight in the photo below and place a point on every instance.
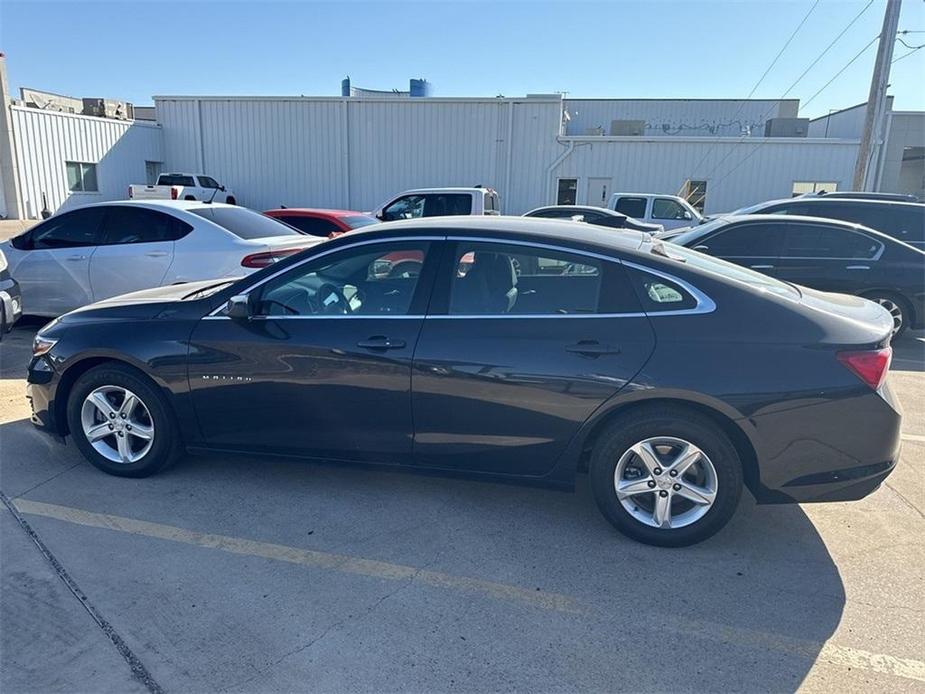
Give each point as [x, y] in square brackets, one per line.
[42, 345]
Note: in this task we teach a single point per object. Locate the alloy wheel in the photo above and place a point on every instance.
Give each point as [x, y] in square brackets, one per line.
[896, 312]
[117, 424]
[665, 482]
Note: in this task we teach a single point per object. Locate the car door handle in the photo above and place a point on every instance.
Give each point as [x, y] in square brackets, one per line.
[592, 348]
[761, 267]
[75, 258]
[156, 254]
[858, 267]
[381, 342]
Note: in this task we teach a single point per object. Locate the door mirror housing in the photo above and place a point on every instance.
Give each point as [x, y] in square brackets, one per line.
[238, 307]
[687, 215]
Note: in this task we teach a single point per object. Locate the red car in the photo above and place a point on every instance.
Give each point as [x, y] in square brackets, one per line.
[324, 223]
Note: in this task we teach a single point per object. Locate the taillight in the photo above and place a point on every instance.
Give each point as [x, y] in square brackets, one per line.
[130, 194]
[870, 366]
[174, 192]
[267, 258]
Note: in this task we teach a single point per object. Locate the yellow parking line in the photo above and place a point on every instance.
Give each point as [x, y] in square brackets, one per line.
[905, 668]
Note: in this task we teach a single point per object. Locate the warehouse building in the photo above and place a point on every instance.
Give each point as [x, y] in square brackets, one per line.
[355, 152]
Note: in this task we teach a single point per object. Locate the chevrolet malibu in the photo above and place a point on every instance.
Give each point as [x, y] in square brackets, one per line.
[518, 349]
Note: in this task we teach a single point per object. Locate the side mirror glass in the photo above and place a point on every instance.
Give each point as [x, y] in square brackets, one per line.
[238, 307]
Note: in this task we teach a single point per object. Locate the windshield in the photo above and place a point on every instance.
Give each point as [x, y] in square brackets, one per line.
[244, 223]
[708, 263]
[360, 220]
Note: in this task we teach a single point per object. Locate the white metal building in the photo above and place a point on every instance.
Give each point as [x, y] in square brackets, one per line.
[356, 152]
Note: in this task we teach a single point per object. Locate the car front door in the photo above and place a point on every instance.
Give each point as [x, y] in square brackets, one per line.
[137, 250]
[517, 353]
[670, 213]
[833, 259]
[54, 272]
[322, 367]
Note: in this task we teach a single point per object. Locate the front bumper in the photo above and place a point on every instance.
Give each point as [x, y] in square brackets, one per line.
[41, 384]
[11, 299]
[838, 450]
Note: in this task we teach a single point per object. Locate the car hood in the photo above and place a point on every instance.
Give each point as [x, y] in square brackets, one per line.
[147, 303]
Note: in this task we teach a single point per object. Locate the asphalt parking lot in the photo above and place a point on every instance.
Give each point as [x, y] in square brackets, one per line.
[240, 574]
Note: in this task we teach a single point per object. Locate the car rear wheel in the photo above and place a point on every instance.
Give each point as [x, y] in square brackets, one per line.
[230, 200]
[121, 423]
[666, 476]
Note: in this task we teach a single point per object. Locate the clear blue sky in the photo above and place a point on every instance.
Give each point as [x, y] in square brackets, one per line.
[693, 49]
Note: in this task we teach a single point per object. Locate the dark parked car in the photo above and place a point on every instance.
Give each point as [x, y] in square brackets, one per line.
[901, 220]
[10, 298]
[824, 254]
[594, 215]
[521, 351]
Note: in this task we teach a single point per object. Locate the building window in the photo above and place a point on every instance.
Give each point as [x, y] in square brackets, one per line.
[152, 171]
[695, 192]
[804, 187]
[568, 191]
[81, 177]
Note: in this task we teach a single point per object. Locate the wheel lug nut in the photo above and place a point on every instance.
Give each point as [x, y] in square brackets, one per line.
[663, 493]
[673, 473]
[124, 415]
[677, 487]
[651, 483]
[112, 415]
[112, 426]
[121, 434]
[128, 426]
[657, 471]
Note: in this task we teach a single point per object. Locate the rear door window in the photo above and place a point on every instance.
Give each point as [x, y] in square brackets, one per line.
[443, 204]
[126, 224]
[745, 241]
[68, 230]
[631, 207]
[820, 242]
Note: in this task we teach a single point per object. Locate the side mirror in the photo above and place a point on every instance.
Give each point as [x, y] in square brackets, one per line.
[222, 188]
[238, 307]
[687, 215]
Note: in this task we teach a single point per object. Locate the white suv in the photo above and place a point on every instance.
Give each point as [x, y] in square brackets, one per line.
[668, 210]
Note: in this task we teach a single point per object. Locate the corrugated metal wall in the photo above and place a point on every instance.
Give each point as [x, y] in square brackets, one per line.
[678, 117]
[357, 152]
[45, 140]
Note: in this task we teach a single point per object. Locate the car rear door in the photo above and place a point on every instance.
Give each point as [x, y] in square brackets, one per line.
[323, 367]
[54, 272]
[522, 344]
[137, 250]
[833, 259]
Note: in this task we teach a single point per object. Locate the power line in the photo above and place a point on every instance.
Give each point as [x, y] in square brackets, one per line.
[837, 74]
[915, 48]
[906, 55]
[763, 75]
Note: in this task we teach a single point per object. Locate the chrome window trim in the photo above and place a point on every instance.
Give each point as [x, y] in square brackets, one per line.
[704, 303]
[215, 312]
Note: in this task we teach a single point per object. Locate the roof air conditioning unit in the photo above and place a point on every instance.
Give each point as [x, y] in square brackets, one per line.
[108, 108]
[786, 127]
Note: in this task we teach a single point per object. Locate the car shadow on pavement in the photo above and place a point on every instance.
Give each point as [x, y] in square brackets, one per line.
[749, 609]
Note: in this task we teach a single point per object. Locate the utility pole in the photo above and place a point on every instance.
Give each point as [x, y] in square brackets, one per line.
[876, 100]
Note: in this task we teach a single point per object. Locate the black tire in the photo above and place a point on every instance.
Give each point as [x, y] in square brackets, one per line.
[165, 446]
[2, 321]
[230, 200]
[890, 300]
[189, 197]
[678, 423]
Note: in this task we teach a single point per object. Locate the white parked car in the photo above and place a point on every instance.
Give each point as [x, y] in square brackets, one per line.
[670, 211]
[102, 250]
[440, 202]
[183, 186]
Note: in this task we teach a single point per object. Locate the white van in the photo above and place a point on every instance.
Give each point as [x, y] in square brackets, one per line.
[668, 210]
[440, 202]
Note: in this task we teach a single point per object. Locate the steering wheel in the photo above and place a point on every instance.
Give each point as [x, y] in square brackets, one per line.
[331, 300]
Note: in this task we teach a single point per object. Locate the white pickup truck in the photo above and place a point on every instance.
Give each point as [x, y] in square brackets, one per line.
[183, 186]
[440, 202]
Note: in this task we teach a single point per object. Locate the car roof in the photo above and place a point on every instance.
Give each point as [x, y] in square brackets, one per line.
[319, 211]
[650, 195]
[583, 208]
[533, 229]
[155, 204]
[451, 189]
[823, 199]
[849, 226]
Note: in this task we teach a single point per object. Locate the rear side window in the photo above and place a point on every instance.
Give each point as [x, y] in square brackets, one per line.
[175, 180]
[140, 225]
[658, 294]
[314, 226]
[68, 230]
[817, 241]
[631, 207]
[495, 279]
[244, 223]
[444, 204]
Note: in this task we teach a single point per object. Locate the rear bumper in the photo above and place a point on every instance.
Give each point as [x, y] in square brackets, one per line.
[838, 450]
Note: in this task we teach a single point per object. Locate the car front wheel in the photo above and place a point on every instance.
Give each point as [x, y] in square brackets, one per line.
[667, 477]
[121, 423]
